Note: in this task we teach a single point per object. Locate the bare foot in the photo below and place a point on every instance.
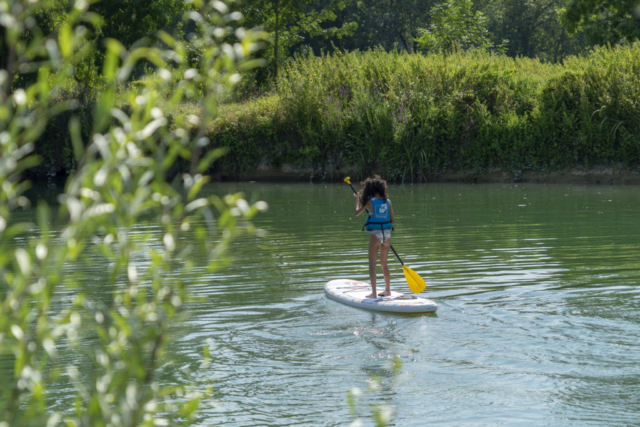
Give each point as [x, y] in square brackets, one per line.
[371, 296]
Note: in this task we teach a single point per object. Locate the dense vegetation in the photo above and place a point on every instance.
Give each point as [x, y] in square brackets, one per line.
[414, 116]
[76, 354]
[503, 84]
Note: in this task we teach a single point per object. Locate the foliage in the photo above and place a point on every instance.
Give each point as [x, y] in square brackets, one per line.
[605, 21]
[120, 183]
[454, 24]
[382, 413]
[533, 29]
[131, 21]
[413, 116]
[524, 28]
[389, 23]
[289, 20]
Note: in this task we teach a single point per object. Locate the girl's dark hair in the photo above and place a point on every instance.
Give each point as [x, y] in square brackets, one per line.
[371, 187]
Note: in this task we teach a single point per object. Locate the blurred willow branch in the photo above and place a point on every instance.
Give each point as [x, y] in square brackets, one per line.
[121, 182]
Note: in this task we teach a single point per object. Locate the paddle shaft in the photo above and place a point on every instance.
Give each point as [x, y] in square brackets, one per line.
[368, 213]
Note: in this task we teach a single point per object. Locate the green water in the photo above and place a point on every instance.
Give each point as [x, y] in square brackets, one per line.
[538, 297]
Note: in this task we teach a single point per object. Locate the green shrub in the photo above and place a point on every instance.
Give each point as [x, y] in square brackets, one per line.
[106, 347]
[415, 116]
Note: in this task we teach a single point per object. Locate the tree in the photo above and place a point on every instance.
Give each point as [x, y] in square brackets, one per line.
[289, 20]
[605, 21]
[119, 192]
[130, 21]
[455, 23]
[531, 28]
[386, 23]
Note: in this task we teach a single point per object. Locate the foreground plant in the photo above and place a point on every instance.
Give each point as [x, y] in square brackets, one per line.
[382, 413]
[121, 181]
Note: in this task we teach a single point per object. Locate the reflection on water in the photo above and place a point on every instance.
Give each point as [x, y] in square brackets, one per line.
[537, 324]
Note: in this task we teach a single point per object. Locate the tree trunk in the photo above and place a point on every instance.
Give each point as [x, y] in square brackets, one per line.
[403, 39]
[559, 47]
[275, 45]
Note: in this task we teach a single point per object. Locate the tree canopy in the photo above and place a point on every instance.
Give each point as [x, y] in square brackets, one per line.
[605, 21]
[290, 22]
[549, 30]
[455, 24]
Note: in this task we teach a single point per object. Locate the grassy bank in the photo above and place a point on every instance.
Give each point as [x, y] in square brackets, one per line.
[413, 116]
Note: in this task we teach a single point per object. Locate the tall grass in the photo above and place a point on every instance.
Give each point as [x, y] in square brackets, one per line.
[414, 116]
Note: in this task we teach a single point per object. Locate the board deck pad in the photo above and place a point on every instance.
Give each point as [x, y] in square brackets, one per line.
[353, 293]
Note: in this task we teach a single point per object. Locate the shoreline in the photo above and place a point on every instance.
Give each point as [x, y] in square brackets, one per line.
[599, 175]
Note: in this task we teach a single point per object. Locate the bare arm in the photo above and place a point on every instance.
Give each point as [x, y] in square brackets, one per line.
[391, 215]
[359, 209]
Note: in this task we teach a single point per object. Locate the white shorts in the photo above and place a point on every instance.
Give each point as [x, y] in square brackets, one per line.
[379, 235]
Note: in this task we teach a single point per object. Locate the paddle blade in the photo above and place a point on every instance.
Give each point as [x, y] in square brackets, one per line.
[347, 180]
[415, 282]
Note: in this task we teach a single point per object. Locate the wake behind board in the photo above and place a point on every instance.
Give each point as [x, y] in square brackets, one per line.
[353, 293]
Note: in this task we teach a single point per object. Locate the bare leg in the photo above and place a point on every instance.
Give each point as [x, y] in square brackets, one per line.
[374, 244]
[384, 255]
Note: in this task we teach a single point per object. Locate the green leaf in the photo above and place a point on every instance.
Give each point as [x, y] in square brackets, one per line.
[65, 40]
[112, 59]
[75, 133]
[211, 157]
[102, 115]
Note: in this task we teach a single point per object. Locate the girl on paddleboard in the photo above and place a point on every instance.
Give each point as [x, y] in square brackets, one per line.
[374, 198]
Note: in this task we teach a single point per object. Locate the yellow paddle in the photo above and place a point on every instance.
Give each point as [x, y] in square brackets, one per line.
[415, 282]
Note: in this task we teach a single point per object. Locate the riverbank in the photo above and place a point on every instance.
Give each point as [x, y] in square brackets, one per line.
[457, 117]
[462, 117]
[604, 175]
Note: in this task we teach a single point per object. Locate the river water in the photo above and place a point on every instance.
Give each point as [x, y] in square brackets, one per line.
[538, 318]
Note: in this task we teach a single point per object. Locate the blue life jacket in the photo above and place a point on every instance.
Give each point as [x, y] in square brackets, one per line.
[380, 218]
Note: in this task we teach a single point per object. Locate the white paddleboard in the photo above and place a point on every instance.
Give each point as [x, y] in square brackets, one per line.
[353, 293]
